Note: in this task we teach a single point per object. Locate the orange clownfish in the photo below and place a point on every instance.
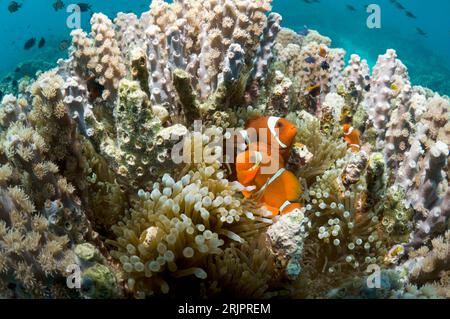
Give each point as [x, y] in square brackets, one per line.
[351, 136]
[272, 184]
[276, 129]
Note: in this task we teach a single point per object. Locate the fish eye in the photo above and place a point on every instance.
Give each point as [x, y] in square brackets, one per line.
[279, 124]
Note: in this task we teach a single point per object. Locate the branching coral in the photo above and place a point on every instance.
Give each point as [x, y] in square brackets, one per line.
[34, 252]
[49, 106]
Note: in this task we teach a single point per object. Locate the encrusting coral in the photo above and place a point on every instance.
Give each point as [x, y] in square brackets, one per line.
[113, 163]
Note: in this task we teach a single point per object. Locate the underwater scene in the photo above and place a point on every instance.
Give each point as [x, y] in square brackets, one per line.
[252, 149]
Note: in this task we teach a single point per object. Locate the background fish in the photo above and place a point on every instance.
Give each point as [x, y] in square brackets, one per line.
[29, 43]
[58, 5]
[41, 43]
[14, 6]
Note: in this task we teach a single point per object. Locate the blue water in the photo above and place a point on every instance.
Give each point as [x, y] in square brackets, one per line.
[428, 58]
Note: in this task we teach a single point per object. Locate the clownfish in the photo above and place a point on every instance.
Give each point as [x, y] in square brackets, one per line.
[270, 183]
[352, 137]
[278, 130]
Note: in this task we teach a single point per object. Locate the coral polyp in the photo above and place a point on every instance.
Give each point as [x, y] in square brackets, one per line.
[119, 162]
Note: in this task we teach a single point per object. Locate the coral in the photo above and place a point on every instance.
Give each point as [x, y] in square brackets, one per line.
[264, 54]
[388, 77]
[98, 281]
[133, 110]
[357, 74]
[286, 36]
[399, 130]
[335, 59]
[49, 106]
[106, 63]
[286, 239]
[33, 256]
[279, 101]
[428, 266]
[41, 215]
[436, 119]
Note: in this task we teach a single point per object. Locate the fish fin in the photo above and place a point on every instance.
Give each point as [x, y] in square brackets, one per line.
[244, 178]
[290, 208]
[247, 194]
[247, 177]
[271, 209]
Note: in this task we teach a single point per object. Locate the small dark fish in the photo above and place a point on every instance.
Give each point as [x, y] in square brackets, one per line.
[94, 88]
[303, 32]
[367, 88]
[8, 78]
[411, 15]
[399, 5]
[17, 70]
[64, 44]
[421, 32]
[1, 95]
[58, 5]
[310, 60]
[28, 26]
[41, 43]
[29, 44]
[15, 83]
[324, 65]
[84, 7]
[354, 93]
[350, 7]
[367, 77]
[14, 6]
